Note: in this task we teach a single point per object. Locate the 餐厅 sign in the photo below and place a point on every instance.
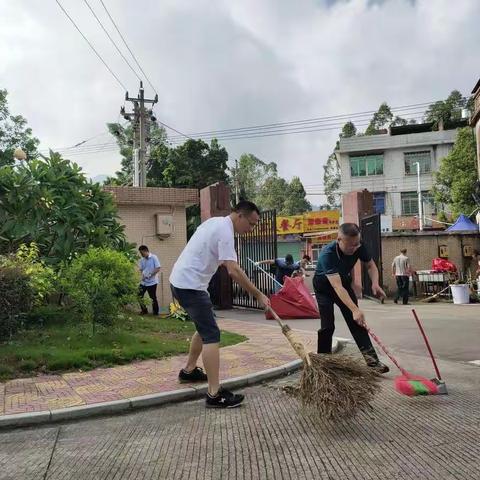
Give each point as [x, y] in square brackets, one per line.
[318, 221]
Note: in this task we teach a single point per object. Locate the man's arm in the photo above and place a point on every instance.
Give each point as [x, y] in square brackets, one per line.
[241, 278]
[393, 268]
[269, 262]
[373, 274]
[336, 283]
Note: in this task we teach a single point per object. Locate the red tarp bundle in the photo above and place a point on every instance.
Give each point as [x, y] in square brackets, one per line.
[293, 300]
[443, 265]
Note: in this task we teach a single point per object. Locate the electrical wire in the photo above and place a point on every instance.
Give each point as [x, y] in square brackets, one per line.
[126, 44]
[91, 46]
[111, 39]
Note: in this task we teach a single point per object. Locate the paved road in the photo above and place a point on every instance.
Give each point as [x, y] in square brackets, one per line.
[453, 330]
[268, 438]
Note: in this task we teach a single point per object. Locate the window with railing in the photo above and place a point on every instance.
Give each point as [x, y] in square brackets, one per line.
[424, 159]
[379, 202]
[366, 165]
[410, 203]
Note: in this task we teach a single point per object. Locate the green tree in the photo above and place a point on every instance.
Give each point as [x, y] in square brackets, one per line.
[348, 130]
[381, 119]
[272, 194]
[252, 174]
[50, 202]
[14, 133]
[331, 181]
[295, 202]
[457, 175]
[447, 110]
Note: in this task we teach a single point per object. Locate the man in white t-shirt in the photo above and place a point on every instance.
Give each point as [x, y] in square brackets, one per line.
[211, 246]
[401, 271]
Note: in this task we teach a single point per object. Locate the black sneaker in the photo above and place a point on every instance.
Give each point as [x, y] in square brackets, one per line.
[196, 375]
[379, 366]
[223, 399]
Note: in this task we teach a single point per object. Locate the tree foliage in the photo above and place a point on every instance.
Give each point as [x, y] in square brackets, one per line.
[50, 202]
[14, 133]
[457, 175]
[447, 110]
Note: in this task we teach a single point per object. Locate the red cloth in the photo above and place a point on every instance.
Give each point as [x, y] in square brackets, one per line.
[293, 300]
[443, 265]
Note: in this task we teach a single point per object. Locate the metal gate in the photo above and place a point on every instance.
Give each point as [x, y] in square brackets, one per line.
[371, 237]
[259, 244]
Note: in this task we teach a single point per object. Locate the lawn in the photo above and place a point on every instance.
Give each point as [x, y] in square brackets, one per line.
[55, 341]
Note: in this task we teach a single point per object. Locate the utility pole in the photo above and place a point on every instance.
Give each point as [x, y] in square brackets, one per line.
[140, 119]
[419, 192]
[237, 187]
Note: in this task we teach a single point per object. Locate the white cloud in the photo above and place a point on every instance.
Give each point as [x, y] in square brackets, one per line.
[222, 64]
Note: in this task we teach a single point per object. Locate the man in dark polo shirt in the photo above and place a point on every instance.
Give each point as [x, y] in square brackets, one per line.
[333, 284]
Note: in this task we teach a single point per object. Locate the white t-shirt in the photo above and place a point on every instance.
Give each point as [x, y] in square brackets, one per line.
[211, 244]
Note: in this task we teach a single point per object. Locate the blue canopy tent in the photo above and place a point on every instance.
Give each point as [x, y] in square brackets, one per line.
[463, 223]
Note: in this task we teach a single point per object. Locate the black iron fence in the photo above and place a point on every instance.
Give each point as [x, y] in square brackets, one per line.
[260, 244]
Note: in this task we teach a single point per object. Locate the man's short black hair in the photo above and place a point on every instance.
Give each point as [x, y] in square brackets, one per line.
[306, 257]
[349, 229]
[245, 207]
[143, 248]
[288, 258]
[403, 250]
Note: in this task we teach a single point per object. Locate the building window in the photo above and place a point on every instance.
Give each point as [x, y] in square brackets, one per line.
[366, 165]
[423, 158]
[379, 202]
[410, 203]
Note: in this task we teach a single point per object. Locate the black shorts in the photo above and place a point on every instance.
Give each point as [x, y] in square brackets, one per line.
[198, 305]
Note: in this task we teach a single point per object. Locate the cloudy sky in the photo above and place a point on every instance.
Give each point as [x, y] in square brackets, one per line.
[221, 64]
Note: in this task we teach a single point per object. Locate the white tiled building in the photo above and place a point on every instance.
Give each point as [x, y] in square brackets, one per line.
[385, 165]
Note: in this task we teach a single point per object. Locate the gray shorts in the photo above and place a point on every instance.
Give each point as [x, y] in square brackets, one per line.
[198, 305]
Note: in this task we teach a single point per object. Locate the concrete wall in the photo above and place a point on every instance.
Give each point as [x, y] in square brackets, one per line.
[422, 248]
[137, 208]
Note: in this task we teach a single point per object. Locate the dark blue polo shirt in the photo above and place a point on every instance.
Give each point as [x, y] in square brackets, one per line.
[332, 260]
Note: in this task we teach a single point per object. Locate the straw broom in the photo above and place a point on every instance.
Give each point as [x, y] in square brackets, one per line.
[332, 386]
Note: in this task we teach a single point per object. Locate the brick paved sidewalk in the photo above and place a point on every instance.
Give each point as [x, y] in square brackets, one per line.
[266, 348]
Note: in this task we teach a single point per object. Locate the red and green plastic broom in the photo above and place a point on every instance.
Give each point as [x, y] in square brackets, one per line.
[407, 384]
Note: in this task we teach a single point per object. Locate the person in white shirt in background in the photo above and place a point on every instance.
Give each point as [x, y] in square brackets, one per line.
[211, 245]
[401, 270]
[149, 267]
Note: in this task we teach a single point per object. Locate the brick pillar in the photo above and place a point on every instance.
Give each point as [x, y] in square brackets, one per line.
[215, 202]
[356, 206]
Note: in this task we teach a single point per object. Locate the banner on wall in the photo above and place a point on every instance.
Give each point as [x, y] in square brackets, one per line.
[322, 220]
[289, 225]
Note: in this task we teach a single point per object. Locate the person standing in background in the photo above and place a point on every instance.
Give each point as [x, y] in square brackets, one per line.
[401, 271]
[149, 267]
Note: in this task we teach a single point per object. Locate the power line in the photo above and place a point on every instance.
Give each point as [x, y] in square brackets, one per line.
[91, 46]
[126, 44]
[314, 120]
[111, 40]
[278, 132]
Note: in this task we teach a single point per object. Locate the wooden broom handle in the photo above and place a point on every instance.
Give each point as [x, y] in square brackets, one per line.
[294, 342]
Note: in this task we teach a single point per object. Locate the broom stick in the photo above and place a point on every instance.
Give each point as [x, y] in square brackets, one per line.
[265, 272]
[292, 339]
[437, 371]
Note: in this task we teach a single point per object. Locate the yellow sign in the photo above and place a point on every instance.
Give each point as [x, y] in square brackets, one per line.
[321, 220]
[290, 225]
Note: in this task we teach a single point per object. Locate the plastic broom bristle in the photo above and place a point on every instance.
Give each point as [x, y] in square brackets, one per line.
[414, 386]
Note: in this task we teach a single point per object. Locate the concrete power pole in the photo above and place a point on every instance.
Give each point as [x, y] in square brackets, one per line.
[140, 119]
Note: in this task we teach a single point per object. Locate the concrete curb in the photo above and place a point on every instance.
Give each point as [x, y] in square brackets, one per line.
[145, 401]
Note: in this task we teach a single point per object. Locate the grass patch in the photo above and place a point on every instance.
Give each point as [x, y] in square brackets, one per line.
[54, 341]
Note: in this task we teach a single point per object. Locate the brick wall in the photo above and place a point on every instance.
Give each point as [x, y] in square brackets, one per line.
[422, 248]
[137, 208]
